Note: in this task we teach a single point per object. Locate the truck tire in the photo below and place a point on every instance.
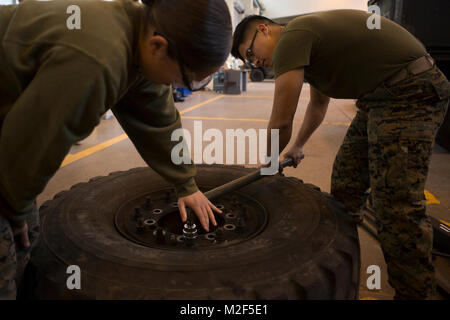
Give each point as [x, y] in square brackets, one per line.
[257, 75]
[308, 248]
[202, 85]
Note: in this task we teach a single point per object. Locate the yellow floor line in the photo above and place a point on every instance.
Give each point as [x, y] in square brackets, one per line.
[333, 123]
[70, 158]
[201, 104]
[431, 199]
[82, 154]
[224, 119]
[249, 97]
[258, 97]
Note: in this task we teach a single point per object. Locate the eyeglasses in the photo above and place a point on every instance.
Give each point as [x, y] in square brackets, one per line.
[190, 84]
[249, 53]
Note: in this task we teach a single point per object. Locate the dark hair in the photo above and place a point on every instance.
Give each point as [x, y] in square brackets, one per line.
[201, 30]
[241, 30]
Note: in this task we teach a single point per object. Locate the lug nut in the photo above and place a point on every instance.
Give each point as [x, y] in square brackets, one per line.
[189, 233]
[190, 230]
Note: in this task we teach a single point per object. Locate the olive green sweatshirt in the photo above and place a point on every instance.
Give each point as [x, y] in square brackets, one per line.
[55, 84]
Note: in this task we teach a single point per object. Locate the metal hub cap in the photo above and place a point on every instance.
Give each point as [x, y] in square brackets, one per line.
[153, 220]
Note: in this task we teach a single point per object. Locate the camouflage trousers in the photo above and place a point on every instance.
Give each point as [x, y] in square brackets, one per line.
[13, 256]
[387, 149]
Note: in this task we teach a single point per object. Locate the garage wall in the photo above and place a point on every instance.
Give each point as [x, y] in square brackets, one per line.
[237, 17]
[283, 8]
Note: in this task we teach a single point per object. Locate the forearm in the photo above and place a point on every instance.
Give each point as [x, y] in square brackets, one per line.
[154, 145]
[287, 92]
[315, 113]
[149, 117]
[285, 133]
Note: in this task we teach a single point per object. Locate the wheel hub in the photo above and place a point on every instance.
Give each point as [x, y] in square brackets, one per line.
[154, 220]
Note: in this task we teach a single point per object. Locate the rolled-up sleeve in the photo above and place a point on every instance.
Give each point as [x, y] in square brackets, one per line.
[148, 115]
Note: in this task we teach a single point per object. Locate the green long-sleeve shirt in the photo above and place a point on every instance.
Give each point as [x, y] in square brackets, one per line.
[55, 84]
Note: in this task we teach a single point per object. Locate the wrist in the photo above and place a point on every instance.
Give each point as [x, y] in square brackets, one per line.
[187, 188]
[297, 146]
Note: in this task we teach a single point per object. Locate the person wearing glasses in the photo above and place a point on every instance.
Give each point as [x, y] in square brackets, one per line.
[56, 82]
[402, 100]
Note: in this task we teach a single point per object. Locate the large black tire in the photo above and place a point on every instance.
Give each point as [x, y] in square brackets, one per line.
[309, 248]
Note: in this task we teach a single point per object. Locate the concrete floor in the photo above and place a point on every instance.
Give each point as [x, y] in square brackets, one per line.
[252, 110]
